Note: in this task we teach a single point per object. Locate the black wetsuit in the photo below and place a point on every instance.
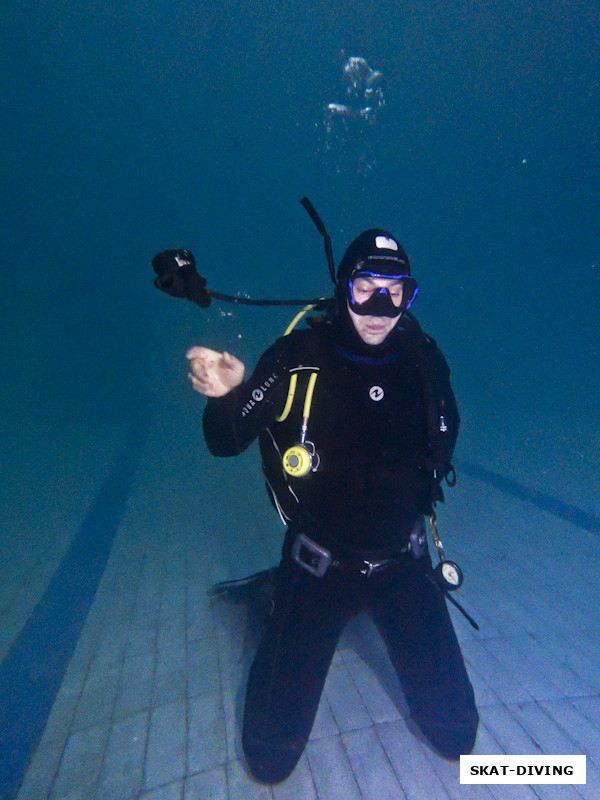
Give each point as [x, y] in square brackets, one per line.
[371, 424]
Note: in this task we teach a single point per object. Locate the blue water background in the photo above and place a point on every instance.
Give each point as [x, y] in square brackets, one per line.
[130, 127]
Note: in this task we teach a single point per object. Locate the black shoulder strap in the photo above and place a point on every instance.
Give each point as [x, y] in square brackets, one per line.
[443, 419]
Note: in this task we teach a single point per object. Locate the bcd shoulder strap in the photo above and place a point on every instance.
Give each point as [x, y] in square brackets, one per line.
[443, 419]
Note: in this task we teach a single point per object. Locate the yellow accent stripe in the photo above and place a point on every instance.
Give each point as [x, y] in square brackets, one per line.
[290, 397]
[309, 394]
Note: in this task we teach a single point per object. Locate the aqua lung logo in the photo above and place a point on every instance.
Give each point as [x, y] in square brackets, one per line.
[258, 394]
[376, 393]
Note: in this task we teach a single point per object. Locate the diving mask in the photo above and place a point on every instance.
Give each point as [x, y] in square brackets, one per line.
[367, 298]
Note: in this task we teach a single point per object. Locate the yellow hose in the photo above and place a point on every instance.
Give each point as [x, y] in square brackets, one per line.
[309, 394]
[294, 377]
[290, 397]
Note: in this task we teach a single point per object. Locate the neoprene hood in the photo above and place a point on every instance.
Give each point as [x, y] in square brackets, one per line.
[378, 253]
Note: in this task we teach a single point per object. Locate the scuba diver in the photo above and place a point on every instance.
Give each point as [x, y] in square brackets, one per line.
[357, 421]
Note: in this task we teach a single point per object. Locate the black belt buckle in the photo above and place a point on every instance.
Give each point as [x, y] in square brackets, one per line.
[318, 560]
[369, 567]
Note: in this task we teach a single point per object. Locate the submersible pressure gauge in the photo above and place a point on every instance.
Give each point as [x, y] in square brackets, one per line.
[448, 575]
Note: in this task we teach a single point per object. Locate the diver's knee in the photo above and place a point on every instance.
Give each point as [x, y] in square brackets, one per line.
[270, 762]
[452, 741]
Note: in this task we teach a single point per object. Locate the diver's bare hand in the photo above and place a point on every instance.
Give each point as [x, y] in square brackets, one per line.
[214, 374]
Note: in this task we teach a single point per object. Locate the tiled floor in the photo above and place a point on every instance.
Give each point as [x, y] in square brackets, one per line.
[150, 706]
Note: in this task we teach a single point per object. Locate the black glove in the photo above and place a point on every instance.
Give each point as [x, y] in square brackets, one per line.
[176, 275]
